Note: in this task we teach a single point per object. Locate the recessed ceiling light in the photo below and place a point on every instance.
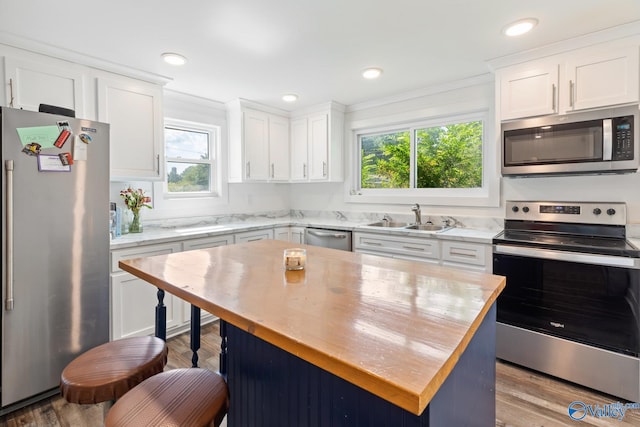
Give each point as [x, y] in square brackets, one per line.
[520, 27]
[290, 97]
[372, 73]
[174, 58]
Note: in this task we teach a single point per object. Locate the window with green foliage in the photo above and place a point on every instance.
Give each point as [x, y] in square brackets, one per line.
[442, 156]
[190, 160]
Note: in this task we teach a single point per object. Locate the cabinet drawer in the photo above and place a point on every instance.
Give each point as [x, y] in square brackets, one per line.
[400, 247]
[250, 236]
[142, 251]
[207, 242]
[465, 253]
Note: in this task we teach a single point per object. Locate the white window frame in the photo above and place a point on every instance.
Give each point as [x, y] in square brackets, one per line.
[213, 162]
[487, 195]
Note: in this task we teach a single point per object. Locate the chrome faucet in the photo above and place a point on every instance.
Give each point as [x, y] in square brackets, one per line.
[416, 209]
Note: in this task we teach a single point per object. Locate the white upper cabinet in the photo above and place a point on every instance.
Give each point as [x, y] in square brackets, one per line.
[318, 147]
[317, 144]
[44, 81]
[583, 79]
[258, 144]
[278, 148]
[133, 108]
[601, 79]
[529, 91]
[299, 150]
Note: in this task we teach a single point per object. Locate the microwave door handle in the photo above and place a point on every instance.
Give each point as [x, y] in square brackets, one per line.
[607, 139]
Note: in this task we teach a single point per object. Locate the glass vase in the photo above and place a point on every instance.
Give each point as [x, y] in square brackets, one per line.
[135, 226]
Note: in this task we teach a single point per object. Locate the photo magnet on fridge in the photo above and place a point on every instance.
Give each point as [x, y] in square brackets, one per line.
[66, 159]
[32, 149]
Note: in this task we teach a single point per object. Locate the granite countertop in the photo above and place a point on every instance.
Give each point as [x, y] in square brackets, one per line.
[169, 233]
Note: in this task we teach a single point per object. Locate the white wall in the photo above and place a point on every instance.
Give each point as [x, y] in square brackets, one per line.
[458, 98]
[331, 196]
[234, 198]
[597, 188]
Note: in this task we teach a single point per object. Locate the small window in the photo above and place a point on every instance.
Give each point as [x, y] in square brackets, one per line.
[190, 157]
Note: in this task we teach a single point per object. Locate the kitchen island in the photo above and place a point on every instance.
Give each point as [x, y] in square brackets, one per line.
[352, 339]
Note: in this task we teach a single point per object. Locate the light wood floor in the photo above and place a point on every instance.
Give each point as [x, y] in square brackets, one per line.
[523, 398]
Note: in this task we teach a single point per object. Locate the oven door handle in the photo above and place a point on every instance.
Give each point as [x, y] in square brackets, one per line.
[606, 260]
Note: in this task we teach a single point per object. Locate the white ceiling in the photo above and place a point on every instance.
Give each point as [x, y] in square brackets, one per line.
[261, 49]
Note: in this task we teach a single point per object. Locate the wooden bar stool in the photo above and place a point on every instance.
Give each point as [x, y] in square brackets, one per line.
[107, 372]
[179, 397]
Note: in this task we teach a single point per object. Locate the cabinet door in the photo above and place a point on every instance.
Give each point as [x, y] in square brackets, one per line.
[469, 256]
[134, 110]
[319, 147]
[289, 234]
[296, 235]
[279, 148]
[256, 145]
[528, 92]
[601, 80]
[299, 150]
[133, 300]
[133, 303]
[282, 233]
[48, 82]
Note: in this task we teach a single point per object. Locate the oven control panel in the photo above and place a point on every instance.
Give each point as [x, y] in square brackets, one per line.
[606, 213]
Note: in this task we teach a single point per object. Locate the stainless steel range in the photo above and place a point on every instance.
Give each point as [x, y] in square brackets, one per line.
[571, 307]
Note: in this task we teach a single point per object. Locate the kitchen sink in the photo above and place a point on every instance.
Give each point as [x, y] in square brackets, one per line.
[428, 227]
[389, 224]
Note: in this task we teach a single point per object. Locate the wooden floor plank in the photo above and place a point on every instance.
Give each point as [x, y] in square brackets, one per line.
[524, 398]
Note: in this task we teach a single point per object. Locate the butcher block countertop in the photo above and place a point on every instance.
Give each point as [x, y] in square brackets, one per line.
[394, 328]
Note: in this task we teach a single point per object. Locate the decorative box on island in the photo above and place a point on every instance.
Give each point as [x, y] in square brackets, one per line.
[295, 259]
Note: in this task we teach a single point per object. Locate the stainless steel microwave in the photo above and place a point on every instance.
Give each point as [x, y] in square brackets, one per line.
[593, 142]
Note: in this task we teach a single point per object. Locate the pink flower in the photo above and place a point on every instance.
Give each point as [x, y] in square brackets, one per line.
[135, 199]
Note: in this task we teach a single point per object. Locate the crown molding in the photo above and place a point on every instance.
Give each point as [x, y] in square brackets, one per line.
[430, 90]
[620, 32]
[37, 47]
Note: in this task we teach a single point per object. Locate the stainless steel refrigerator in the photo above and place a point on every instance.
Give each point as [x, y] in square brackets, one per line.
[55, 248]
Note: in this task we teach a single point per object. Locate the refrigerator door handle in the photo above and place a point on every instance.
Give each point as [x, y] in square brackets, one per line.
[8, 165]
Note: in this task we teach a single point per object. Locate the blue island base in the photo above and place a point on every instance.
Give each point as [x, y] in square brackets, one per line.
[271, 387]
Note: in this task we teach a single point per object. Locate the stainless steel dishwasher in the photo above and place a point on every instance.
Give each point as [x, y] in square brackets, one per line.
[334, 239]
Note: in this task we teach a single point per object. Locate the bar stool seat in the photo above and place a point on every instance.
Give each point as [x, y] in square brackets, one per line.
[106, 372]
[178, 397]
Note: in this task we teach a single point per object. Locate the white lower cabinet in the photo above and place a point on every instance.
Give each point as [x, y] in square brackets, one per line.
[469, 256]
[449, 253]
[133, 307]
[410, 248]
[208, 242]
[250, 236]
[289, 234]
[133, 300]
